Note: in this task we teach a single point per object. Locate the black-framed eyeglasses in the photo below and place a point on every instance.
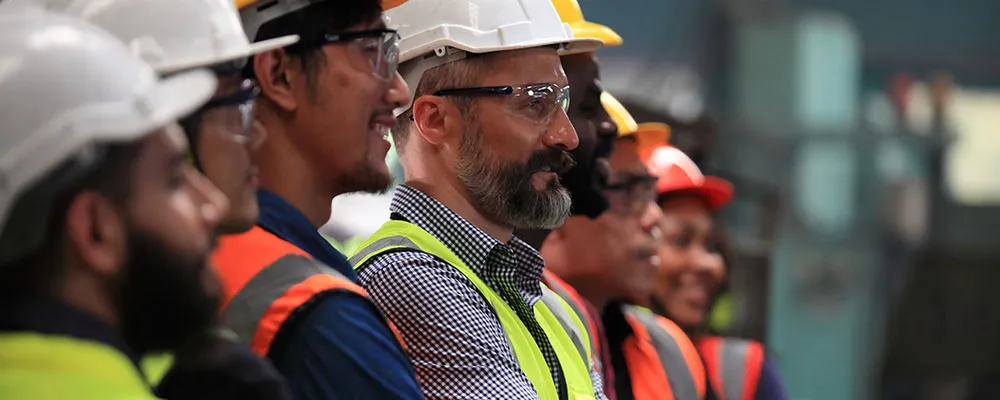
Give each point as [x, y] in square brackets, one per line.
[243, 100]
[632, 194]
[536, 101]
[378, 47]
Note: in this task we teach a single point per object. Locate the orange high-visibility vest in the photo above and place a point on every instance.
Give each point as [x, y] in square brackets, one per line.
[733, 366]
[662, 361]
[265, 279]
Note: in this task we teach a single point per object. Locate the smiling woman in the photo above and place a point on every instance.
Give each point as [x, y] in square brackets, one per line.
[692, 273]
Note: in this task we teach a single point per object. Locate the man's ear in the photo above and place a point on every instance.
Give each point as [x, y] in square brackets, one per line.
[274, 72]
[95, 232]
[435, 118]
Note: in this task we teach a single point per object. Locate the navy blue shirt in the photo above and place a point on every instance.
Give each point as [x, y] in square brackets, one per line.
[342, 348]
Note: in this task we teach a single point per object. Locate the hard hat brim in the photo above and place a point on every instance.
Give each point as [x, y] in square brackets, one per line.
[170, 100]
[716, 192]
[618, 113]
[569, 46]
[251, 50]
[590, 30]
[579, 45]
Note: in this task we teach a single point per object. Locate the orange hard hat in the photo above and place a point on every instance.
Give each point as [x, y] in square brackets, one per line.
[677, 173]
[389, 4]
[650, 135]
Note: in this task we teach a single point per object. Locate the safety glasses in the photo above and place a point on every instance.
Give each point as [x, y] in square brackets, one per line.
[538, 101]
[632, 194]
[377, 49]
[235, 111]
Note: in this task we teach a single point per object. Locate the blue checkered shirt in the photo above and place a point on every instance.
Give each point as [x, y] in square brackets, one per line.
[454, 338]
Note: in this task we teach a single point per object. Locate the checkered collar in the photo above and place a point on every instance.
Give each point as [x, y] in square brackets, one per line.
[473, 246]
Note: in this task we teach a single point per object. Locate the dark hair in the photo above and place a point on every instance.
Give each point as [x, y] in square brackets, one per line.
[30, 243]
[467, 72]
[310, 23]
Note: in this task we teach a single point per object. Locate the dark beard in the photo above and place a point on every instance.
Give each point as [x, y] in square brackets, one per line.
[503, 190]
[162, 297]
[364, 179]
[588, 196]
[585, 186]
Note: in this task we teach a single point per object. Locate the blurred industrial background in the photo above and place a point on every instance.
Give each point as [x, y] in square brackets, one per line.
[863, 138]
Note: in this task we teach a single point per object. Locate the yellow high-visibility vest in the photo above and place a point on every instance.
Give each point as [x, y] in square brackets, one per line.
[565, 331]
[53, 367]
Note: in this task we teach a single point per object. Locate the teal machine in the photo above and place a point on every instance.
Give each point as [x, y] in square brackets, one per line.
[799, 127]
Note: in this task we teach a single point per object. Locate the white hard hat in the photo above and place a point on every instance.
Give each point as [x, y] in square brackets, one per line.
[172, 35]
[435, 32]
[67, 85]
[255, 13]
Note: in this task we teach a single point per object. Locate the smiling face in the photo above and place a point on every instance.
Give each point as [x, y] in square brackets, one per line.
[345, 114]
[692, 270]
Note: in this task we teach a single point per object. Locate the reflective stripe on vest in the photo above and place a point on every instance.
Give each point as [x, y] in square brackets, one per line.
[733, 366]
[265, 279]
[573, 299]
[562, 327]
[570, 323]
[663, 362]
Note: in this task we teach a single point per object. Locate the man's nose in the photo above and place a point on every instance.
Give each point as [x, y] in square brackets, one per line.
[561, 133]
[650, 218]
[398, 93]
[212, 204]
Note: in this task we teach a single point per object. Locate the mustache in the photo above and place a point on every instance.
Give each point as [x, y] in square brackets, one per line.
[551, 159]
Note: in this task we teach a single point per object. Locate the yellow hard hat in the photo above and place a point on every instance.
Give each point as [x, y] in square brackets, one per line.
[626, 124]
[570, 13]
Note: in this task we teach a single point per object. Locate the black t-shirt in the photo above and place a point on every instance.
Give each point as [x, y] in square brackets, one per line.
[222, 369]
[617, 329]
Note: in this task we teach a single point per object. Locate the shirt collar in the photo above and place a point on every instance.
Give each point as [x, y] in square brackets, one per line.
[52, 317]
[468, 242]
[288, 223]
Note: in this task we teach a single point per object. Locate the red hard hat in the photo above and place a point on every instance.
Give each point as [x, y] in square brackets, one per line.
[676, 172]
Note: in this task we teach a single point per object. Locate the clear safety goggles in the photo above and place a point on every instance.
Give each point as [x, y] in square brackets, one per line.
[631, 195]
[538, 102]
[234, 112]
[376, 49]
